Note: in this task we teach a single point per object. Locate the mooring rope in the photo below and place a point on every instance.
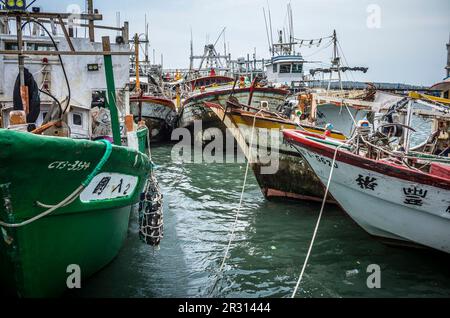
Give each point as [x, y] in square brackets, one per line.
[70, 198]
[319, 218]
[240, 203]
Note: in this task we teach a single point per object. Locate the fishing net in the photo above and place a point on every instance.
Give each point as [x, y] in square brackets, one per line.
[151, 213]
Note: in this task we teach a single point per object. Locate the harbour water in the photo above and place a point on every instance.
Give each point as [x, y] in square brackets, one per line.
[267, 253]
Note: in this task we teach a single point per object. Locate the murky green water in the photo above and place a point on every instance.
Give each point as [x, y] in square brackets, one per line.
[268, 251]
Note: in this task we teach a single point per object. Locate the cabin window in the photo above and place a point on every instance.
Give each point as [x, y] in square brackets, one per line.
[77, 119]
[11, 46]
[44, 114]
[297, 68]
[275, 68]
[285, 68]
[446, 94]
[40, 47]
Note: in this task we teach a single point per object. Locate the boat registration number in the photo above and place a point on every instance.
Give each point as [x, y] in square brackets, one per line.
[107, 186]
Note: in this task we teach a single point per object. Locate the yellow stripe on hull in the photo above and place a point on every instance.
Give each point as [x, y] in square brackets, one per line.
[270, 124]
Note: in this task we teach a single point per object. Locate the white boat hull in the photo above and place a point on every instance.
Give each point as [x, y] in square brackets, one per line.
[388, 207]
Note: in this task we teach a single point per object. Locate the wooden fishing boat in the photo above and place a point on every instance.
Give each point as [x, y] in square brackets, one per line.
[148, 102]
[341, 110]
[401, 196]
[194, 109]
[292, 178]
[159, 114]
[209, 83]
[66, 194]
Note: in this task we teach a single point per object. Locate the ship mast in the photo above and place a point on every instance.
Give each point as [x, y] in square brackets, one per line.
[210, 58]
[448, 58]
[286, 39]
[136, 52]
[146, 41]
[336, 64]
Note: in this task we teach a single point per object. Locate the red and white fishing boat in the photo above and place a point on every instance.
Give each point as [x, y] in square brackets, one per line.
[194, 109]
[159, 114]
[403, 196]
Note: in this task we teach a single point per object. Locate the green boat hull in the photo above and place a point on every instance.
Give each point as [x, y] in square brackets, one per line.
[34, 259]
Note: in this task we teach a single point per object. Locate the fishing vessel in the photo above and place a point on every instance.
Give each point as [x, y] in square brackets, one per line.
[209, 83]
[398, 193]
[281, 171]
[194, 108]
[149, 102]
[293, 179]
[215, 79]
[65, 197]
[341, 109]
[285, 68]
[158, 113]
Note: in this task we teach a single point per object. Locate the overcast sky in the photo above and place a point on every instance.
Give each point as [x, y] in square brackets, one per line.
[400, 41]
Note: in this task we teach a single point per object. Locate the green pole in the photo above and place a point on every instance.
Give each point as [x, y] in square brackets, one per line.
[111, 87]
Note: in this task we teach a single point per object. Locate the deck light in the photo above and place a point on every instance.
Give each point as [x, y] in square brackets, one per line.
[16, 5]
[93, 67]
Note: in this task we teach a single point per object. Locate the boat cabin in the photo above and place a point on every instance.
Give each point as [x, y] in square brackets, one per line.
[283, 70]
[84, 73]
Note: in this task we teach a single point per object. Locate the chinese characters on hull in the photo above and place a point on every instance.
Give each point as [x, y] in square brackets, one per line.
[414, 196]
[366, 183]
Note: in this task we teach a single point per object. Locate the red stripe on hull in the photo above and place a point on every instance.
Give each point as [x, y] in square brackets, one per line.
[157, 100]
[238, 90]
[388, 169]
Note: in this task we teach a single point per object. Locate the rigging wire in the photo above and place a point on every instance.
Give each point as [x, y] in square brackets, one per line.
[319, 218]
[270, 23]
[345, 59]
[327, 45]
[54, 98]
[31, 3]
[267, 30]
[60, 60]
[240, 202]
[319, 40]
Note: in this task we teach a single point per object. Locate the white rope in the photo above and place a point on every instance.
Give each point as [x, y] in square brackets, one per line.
[48, 206]
[318, 220]
[43, 214]
[240, 203]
